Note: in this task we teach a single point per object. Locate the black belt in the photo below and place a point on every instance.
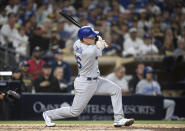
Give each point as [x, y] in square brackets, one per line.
[90, 78]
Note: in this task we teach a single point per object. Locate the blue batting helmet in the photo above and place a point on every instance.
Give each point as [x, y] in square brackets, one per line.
[87, 32]
[147, 70]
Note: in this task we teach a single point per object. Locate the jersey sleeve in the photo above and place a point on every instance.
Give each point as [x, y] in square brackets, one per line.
[99, 51]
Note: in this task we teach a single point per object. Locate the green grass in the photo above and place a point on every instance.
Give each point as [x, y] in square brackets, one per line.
[91, 122]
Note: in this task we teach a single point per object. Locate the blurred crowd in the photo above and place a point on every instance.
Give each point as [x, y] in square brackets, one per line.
[35, 31]
[132, 27]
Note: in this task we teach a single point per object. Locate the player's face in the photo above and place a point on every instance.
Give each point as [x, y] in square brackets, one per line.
[89, 41]
[149, 76]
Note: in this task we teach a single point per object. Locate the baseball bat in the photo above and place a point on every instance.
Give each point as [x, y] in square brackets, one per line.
[72, 20]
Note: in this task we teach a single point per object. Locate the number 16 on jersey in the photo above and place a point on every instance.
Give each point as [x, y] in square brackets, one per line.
[78, 60]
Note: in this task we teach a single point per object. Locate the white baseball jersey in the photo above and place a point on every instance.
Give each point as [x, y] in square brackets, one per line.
[88, 66]
[87, 60]
[153, 88]
[132, 47]
[147, 49]
[148, 88]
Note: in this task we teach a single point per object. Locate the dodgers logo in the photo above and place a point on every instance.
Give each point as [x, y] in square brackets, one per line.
[78, 49]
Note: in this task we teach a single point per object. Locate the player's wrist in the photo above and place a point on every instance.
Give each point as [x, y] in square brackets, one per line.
[100, 44]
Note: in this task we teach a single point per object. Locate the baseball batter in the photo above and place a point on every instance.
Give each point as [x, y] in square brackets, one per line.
[88, 82]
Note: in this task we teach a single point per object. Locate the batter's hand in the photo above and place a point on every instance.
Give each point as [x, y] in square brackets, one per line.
[100, 44]
[103, 41]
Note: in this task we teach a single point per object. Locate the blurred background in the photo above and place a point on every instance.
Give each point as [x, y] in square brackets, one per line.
[36, 46]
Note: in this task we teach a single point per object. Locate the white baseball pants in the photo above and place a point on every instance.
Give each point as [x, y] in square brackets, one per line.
[84, 90]
[169, 105]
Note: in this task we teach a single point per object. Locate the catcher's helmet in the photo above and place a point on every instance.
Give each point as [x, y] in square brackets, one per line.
[87, 32]
[147, 70]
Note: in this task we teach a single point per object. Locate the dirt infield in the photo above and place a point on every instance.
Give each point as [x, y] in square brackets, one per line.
[92, 127]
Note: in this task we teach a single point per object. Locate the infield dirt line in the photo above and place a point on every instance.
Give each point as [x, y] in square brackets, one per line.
[92, 127]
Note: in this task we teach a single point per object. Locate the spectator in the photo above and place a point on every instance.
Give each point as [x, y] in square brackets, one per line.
[148, 48]
[46, 28]
[21, 42]
[117, 42]
[63, 34]
[154, 8]
[38, 39]
[84, 22]
[28, 27]
[46, 82]
[69, 47]
[118, 77]
[17, 78]
[58, 61]
[29, 9]
[165, 21]
[157, 32]
[124, 31]
[180, 51]
[35, 63]
[15, 84]
[26, 77]
[143, 23]
[47, 9]
[8, 31]
[136, 78]
[135, 24]
[70, 28]
[148, 86]
[3, 17]
[12, 7]
[56, 41]
[132, 44]
[59, 74]
[168, 48]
